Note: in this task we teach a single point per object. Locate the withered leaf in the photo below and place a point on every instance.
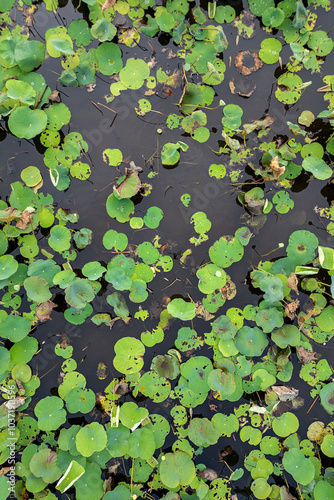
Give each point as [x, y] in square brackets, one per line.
[209, 474]
[24, 220]
[247, 62]
[102, 371]
[90, 87]
[203, 313]
[131, 181]
[290, 309]
[44, 309]
[229, 291]
[306, 356]
[277, 170]
[285, 393]
[4, 470]
[107, 5]
[293, 282]
[54, 96]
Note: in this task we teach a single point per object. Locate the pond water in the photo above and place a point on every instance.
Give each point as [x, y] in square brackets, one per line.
[114, 124]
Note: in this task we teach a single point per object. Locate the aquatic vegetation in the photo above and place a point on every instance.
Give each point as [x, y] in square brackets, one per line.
[245, 354]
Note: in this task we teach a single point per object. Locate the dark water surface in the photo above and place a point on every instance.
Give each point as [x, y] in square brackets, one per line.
[139, 141]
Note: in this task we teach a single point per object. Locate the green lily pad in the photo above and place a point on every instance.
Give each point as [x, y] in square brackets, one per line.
[290, 88]
[8, 266]
[90, 439]
[79, 293]
[50, 413]
[31, 176]
[270, 50]
[37, 289]
[285, 425]
[302, 246]
[103, 30]
[251, 341]
[153, 217]
[134, 73]
[317, 167]
[211, 278]
[326, 397]
[109, 58]
[282, 201]
[80, 400]
[285, 336]
[27, 123]
[14, 327]
[181, 309]
[155, 387]
[225, 251]
[44, 464]
[300, 467]
[119, 208]
[60, 238]
[176, 469]
[129, 355]
[29, 54]
[166, 365]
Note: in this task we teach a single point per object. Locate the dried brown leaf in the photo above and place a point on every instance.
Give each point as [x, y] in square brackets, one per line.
[90, 87]
[293, 282]
[44, 310]
[25, 220]
[290, 309]
[4, 470]
[203, 313]
[285, 393]
[209, 474]
[54, 96]
[248, 62]
[306, 356]
[277, 170]
[229, 291]
[107, 5]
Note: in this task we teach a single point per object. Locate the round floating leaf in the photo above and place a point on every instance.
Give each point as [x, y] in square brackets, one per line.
[80, 170]
[166, 365]
[58, 115]
[211, 278]
[155, 387]
[31, 176]
[170, 154]
[251, 341]
[317, 167]
[300, 467]
[119, 209]
[29, 54]
[327, 446]
[14, 327]
[128, 185]
[134, 73]
[222, 381]
[273, 17]
[269, 318]
[217, 171]
[131, 414]
[285, 336]
[202, 432]
[80, 400]
[113, 157]
[176, 469]
[129, 355]
[79, 293]
[79, 31]
[50, 413]
[37, 289]
[119, 493]
[26, 123]
[8, 266]
[285, 425]
[326, 397]
[148, 253]
[289, 87]
[270, 50]
[103, 30]
[153, 217]
[138, 292]
[196, 371]
[225, 424]
[261, 488]
[109, 58]
[282, 201]
[302, 246]
[44, 464]
[60, 238]
[93, 270]
[90, 439]
[181, 309]
[225, 251]
[323, 490]
[232, 116]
